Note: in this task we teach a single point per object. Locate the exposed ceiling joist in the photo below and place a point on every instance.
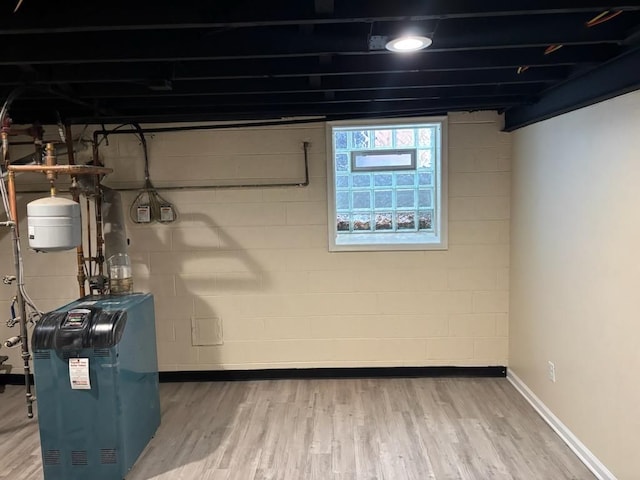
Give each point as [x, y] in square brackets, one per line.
[305, 66]
[367, 83]
[316, 96]
[38, 17]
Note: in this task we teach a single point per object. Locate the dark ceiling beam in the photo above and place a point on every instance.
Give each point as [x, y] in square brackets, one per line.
[45, 16]
[367, 83]
[329, 108]
[212, 114]
[78, 117]
[609, 80]
[299, 108]
[371, 109]
[306, 66]
[259, 44]
[311, 97]
[354, 108]
[320, 102]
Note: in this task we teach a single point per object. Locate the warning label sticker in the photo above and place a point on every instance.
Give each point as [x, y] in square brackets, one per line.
[79, 373]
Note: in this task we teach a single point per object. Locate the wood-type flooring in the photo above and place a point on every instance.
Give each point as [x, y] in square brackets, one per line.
[342, 429]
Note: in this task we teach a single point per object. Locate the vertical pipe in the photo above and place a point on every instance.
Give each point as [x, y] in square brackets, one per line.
[98, 207]
[50, 161]
[96, 159]
[82, 278]
[22, 310]
[13, 204]
[5, 144]
[24, 335]
[99, 233]
[89, 239]
[37, 143]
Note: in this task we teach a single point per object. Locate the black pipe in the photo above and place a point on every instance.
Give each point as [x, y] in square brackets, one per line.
[141, 131]
[185, 128]
[305, 183]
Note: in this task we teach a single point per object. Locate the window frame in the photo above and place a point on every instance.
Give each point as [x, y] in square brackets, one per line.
[397, 240]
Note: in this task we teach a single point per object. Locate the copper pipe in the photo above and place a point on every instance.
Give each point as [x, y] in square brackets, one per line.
[62, 169]
[50, 161]
[82, 278]
[13, 204]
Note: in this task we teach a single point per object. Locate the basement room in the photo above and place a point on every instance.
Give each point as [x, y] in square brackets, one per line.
[319, 240]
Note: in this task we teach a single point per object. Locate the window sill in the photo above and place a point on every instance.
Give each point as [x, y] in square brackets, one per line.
[386, 241]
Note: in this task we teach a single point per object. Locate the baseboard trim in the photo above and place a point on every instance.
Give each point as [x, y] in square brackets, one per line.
[347, 372]
[13, 379]
[582, 452]
[302, 373]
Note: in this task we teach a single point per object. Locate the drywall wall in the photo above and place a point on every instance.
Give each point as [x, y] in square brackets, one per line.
[575, 274]
[255, 261]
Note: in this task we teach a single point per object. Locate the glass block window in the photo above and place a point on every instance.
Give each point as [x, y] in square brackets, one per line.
[387, 184]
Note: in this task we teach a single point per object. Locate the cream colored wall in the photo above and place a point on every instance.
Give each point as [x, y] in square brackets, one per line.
[575, 274]
[258, 260]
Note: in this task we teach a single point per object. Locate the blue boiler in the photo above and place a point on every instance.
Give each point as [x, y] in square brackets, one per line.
[96, 377]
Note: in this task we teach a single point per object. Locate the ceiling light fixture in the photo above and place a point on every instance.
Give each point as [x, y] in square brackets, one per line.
[409, 43]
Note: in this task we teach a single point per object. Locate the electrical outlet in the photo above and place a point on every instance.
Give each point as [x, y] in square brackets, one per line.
[551, 371]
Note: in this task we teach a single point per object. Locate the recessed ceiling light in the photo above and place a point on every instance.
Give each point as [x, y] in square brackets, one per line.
[410, 43]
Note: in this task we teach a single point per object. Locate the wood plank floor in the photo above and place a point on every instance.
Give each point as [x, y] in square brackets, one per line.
[362, 429]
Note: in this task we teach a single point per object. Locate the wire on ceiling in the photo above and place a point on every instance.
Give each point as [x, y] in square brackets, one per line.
[603, 17]
[597, 20]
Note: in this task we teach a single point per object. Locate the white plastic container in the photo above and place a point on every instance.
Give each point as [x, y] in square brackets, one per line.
[54, 224]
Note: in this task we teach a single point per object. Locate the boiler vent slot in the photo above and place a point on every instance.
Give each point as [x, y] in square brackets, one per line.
[79, 457]
[52, 457]
[108, 456]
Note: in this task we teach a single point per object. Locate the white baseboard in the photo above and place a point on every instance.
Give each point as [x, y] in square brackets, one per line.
[583, 453]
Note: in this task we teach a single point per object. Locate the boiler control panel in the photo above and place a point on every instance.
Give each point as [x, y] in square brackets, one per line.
[76, 318]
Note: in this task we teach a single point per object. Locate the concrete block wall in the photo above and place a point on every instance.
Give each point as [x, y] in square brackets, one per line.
[256, 260]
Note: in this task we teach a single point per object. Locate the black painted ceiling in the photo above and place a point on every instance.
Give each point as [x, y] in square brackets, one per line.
[164, 61]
